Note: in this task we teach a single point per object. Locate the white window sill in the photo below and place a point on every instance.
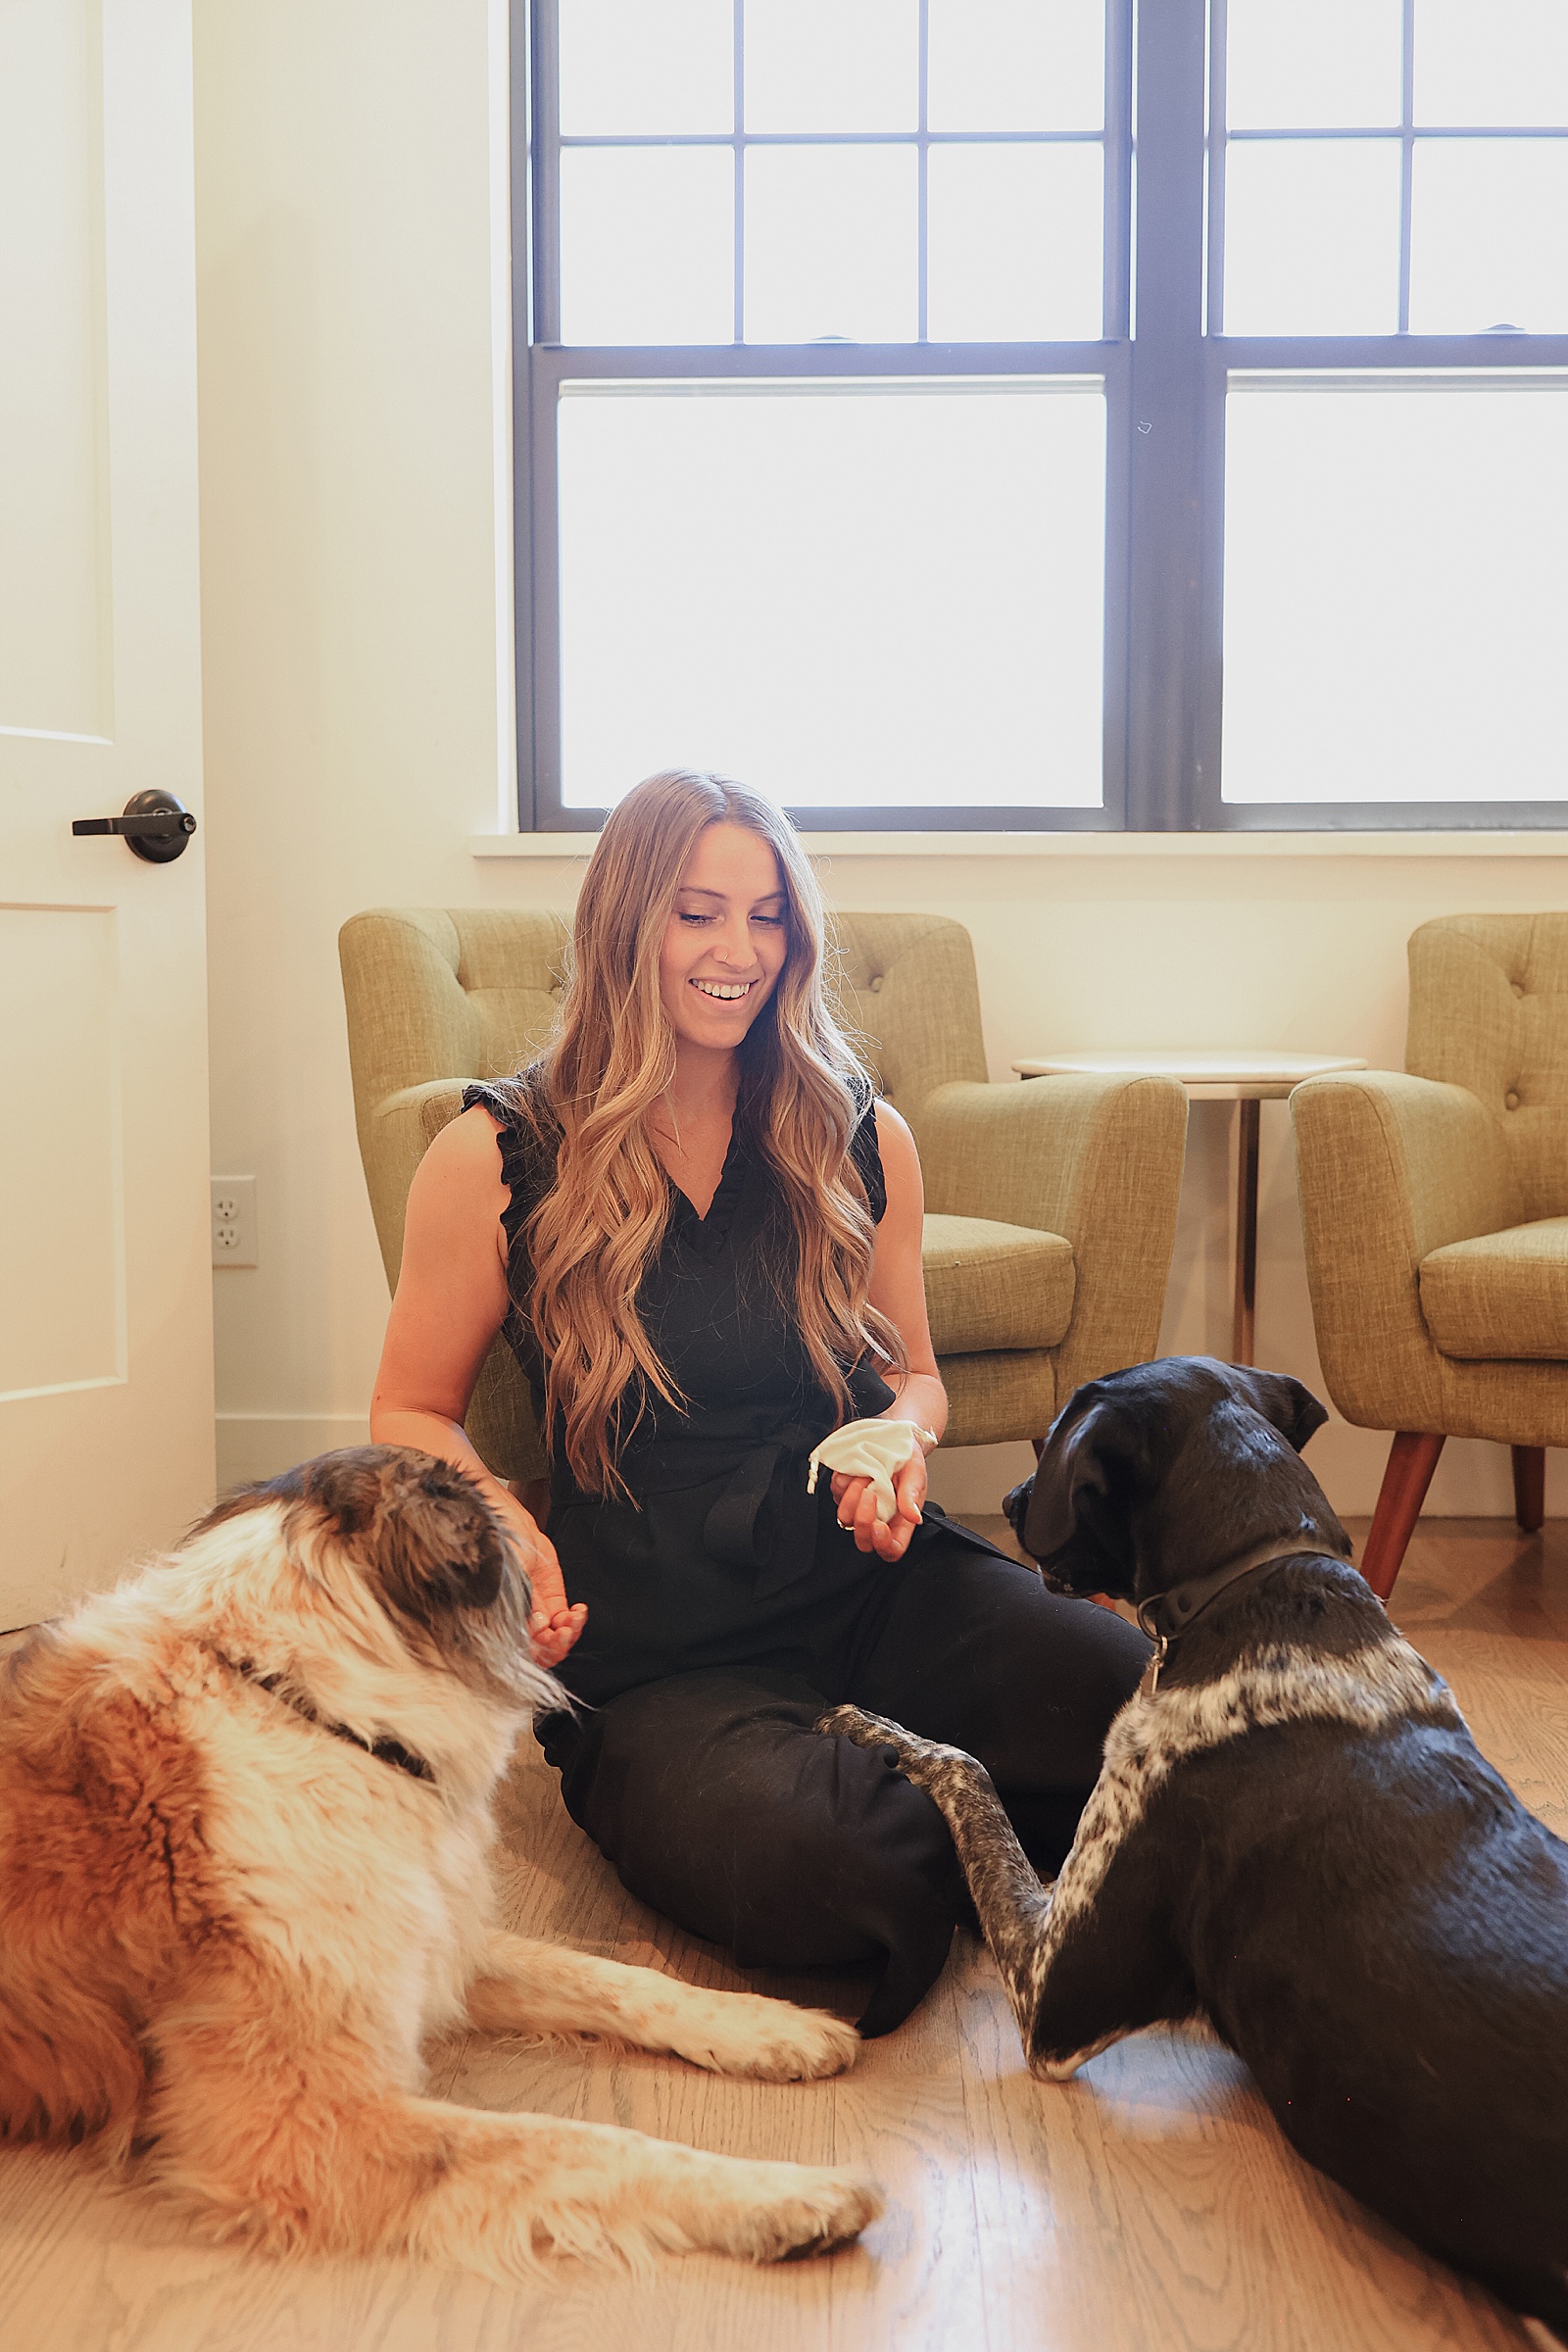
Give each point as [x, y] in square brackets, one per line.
[576, 846]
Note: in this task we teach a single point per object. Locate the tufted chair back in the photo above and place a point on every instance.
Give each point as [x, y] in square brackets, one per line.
[1050, 1209]
[908, 995]
[1489, 1012]
[437, 995]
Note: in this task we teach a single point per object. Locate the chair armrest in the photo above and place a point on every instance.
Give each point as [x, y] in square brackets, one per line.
[1389, 1168]
[396, 1136]
[1096, 1159]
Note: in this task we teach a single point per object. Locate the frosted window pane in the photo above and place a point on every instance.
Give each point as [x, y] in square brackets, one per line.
[1488, 235]
[647, 245]
[1016, 64]
[849, 595]
[832, 65]
[1333, 65]
[1013, 243]
[1481, 62]
[1312, 237]
[1395, 603]
[627, 65]
[831, 244]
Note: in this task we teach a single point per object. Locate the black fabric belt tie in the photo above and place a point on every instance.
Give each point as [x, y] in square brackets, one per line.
[763, 1519]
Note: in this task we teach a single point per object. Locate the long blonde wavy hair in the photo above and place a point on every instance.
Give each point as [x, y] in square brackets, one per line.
[594, 1234]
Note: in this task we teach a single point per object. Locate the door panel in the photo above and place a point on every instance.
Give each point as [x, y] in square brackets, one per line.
[106, 1409]
[59, 1079]
[55, 656]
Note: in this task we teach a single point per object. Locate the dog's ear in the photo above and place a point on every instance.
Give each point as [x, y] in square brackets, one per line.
[1016, 1504]
[1073, 1514]
[425, 1536]
[439, 1547]
[1287, 1403]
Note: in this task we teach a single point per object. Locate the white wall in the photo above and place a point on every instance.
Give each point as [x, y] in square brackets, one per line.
[348, 551]
[349, 608]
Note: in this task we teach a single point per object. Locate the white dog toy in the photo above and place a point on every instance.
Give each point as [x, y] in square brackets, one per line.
[874, 1449]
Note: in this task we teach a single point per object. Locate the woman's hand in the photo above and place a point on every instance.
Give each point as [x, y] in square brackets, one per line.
[555, 1623]
[855, 1500]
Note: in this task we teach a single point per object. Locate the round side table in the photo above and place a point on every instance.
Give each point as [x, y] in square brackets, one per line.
[1246, 1077]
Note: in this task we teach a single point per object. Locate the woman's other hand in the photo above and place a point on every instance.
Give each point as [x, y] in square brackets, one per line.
[898, 1289]
[855, 1500]
[555, 1623]
[552, 1633]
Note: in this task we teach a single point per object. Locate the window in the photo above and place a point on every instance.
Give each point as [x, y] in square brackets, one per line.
[870, 446]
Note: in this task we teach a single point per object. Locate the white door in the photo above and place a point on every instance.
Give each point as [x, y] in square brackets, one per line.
[106, 1404]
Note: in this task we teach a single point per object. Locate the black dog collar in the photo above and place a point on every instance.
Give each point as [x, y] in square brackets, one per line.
[385, 1752]
[1166, 1617]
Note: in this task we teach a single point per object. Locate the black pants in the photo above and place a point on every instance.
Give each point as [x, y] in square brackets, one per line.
[720, 1807]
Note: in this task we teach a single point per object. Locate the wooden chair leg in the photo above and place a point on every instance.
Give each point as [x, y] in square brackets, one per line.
[1530, 1487]
[1412, 1458]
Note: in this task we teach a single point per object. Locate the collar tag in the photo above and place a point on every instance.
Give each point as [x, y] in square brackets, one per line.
[1167, 1615]
[1150, 1683]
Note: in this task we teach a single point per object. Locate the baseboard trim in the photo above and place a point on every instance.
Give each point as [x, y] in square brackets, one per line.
[253, 1446]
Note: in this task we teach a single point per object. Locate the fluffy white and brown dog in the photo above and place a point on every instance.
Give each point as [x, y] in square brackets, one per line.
[245, 1836]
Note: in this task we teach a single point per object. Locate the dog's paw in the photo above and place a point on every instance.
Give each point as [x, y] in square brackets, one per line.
[854, 1722]
[923, 1761]
[772, 2042]
[814, 2213]
[1061, 2066]
[799, 2045]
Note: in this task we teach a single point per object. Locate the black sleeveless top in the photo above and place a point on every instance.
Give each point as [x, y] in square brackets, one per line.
[723, 1557]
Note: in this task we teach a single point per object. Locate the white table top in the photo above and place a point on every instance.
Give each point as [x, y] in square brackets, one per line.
[1223, 1074]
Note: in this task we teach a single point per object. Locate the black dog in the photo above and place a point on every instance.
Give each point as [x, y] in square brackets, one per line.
[1294, 1834]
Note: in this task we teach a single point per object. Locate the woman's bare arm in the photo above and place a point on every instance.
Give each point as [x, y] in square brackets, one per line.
[450, 1302]
[898, 1290]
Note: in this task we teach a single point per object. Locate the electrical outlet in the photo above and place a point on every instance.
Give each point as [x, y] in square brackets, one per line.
[233, 1220]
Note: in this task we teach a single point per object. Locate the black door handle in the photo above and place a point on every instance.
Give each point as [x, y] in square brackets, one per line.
[155, 826]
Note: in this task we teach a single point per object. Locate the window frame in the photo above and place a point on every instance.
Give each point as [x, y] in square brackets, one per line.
[1165, 392]
[1216, 357]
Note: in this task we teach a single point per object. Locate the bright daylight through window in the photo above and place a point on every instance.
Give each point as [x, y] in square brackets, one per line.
[1027, 412]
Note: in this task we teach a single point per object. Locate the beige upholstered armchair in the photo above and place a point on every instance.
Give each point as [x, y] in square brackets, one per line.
[1434, 1206]
[1051, 1205]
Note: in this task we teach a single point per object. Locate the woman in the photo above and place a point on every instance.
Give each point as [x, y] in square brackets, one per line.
[701, 1237]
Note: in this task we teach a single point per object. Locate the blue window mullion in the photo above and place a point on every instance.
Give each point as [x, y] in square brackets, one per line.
[546, 48]
[738, 143]
[1407, 154]
[1116, 319]
[1167, 655]
[1218, 143]
[923, 157]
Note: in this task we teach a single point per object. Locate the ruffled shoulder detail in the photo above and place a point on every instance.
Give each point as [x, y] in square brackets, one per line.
[527, 1157]
[867, 1154]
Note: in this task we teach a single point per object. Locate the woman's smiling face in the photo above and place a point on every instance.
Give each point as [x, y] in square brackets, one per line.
[726, 939]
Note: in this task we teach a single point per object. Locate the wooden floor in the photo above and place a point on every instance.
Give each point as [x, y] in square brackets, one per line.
[1150, 2204]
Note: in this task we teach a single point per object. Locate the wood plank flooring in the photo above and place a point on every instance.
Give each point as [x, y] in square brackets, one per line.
[1149, 2206]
